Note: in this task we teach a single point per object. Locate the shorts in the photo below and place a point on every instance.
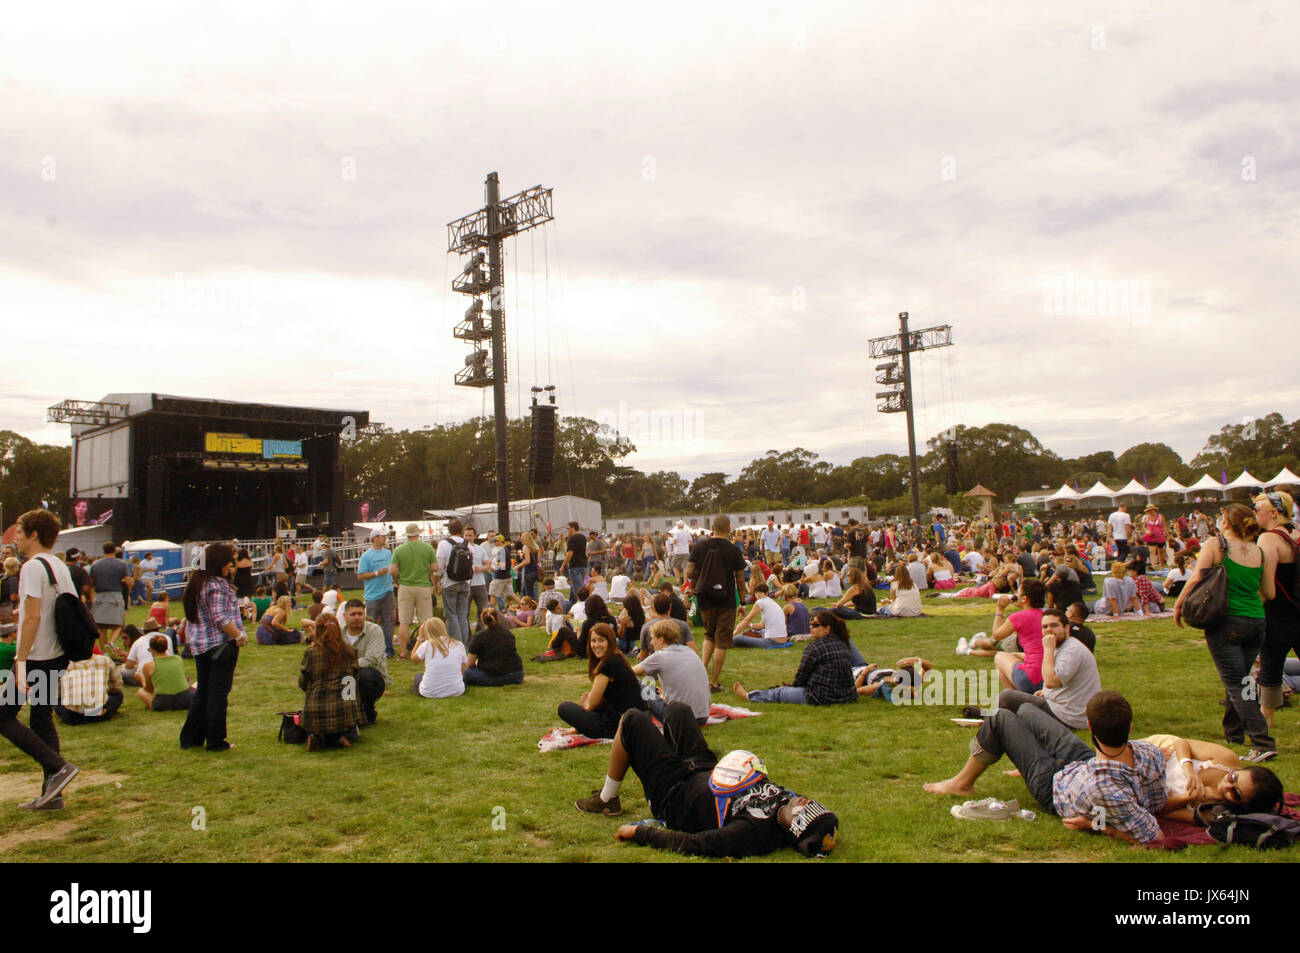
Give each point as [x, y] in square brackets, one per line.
[500, 589]
[719, 625]
[413, 601]
[1022, 682]
[109, 608]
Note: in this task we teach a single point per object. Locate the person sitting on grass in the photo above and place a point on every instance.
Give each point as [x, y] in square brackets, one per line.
[661, 607]
[330, 713]
[614, 689]
[563, 641]
[1118, 593]
[630, 621]
[904, 598]
[682, 676]
[772, 634]
[1017, 642]
[712, 808]
[1077, 614]
[825, 675]
[274, 629]
[493, 656]
[444, 661]
[595, 612]
[1118, 789]
[90, 691]
[1202, 772]
[859, 595]
[1149, 601]
[164, 686]
[1070, 675]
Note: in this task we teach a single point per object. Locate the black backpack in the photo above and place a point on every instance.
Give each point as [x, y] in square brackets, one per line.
[1262, 831]
[711, 578]
[460, 564]
[73, 623]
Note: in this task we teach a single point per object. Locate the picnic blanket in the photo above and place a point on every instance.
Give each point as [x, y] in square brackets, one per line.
[557, 740]
[1130, 617]
[1179, 834]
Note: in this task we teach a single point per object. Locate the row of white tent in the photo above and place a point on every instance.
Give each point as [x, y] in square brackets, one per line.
[1169, 485]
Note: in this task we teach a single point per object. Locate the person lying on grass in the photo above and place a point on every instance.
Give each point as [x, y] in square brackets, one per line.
[1202, 772]
[712, 807]
[888, 684]
[1117, 790]
[825, 675]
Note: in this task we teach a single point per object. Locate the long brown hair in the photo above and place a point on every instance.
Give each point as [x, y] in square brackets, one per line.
[330, 642]
[605, 631]
[1241, 519]
[215, 558]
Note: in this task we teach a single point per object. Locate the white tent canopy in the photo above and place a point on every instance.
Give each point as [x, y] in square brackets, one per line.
[1284, 476]
[1206, 482]
[1245, 480]
[1169, 485]
[1066, 492]
[1098, 489]
[1132, 488]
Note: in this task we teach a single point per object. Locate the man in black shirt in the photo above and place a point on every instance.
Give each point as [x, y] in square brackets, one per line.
[1076, 613]
[857, 540]
[1064, 591]
[716, 571]
[678, 609]
[575, 558]
[727, 809]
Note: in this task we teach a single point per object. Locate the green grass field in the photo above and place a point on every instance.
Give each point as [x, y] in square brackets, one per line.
[462, 779]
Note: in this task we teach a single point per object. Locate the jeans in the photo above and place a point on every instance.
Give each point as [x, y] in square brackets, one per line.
[783, 693]
[757, 642]
[370, 686]
[381, 611]
[455, 610]
[1037, 744]
[576, 576]
[1012, 701]
[479, 597]
[528, 587]
[646, 563]
[1234, 643]
[476, 676]
[206, 722]
[112, 703]
[41, 741]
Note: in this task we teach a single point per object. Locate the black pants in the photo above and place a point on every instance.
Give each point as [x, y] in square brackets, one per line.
[1281, 636]
[41, 741]
[370, 686]
[1012, 700]
[111, 705]
[594, 724]
[565, 636]
[673, 767]
[206, 722]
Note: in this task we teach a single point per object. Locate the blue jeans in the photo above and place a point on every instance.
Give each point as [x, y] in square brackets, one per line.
[381, 611]
[455, 610]
[784, 693]
[757, 642]
[855, 657]
[476, 676]
[1233, 645]
[528, 587]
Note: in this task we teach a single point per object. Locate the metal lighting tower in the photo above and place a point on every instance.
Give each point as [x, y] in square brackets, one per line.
[470, 235]
[898, 374]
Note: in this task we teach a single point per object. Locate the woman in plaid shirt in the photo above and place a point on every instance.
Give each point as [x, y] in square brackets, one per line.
[214, 633]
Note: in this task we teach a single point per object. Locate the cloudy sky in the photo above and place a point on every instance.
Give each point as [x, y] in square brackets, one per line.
[250, 202]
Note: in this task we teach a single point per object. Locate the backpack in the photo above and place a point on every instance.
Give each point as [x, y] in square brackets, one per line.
[711, 578]
[1262, 831]
[72, 622]
[460, 564]
[1292, 595]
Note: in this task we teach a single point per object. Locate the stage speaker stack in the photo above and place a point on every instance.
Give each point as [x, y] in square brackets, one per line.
[954, 475]
[541, 451]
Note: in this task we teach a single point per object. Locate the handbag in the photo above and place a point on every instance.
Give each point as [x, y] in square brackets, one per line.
[1207, 602]
[291, 732]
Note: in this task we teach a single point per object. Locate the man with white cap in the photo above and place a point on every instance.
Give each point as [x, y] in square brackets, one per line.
[374, 568]
[413, 564]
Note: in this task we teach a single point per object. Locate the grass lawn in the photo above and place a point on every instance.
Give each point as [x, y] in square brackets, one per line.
[463, 779]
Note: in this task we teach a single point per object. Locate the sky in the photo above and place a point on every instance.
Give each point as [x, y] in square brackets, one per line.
[249, 202]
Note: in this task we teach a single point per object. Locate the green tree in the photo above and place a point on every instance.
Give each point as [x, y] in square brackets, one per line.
[31, 473]
[1003, 457]
[1155, 461]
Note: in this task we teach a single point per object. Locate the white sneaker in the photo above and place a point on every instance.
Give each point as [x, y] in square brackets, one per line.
[963, 647]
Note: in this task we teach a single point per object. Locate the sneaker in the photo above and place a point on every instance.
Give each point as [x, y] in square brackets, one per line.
[963, 647]
[54, 785]
[594, 805]
[989, 809]
[1258, 756]
[54, 805]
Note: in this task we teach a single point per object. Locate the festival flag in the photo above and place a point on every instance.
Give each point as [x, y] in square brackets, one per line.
[1223, 476]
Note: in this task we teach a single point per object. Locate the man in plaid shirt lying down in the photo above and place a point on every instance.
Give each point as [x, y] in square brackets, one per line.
[1117, 791]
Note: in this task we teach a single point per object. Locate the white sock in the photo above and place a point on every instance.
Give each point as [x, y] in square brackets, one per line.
[611, 789]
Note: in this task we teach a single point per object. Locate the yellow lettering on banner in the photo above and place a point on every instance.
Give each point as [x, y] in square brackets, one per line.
[232, 443]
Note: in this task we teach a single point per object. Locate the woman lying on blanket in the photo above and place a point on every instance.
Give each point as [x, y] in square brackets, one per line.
[614, 689]
[1201, 772]
[998, 583]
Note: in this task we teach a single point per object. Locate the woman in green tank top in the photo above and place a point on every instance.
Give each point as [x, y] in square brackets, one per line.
[1234, 641]
[165, 686]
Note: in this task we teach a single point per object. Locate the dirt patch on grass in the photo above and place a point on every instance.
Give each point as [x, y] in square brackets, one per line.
[536, 840]
[23, 786]
[56, 831]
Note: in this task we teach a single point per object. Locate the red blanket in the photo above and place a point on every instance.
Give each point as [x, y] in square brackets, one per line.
[1180, 834]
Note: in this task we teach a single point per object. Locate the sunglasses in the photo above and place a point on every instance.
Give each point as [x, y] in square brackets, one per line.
[1233, 790]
